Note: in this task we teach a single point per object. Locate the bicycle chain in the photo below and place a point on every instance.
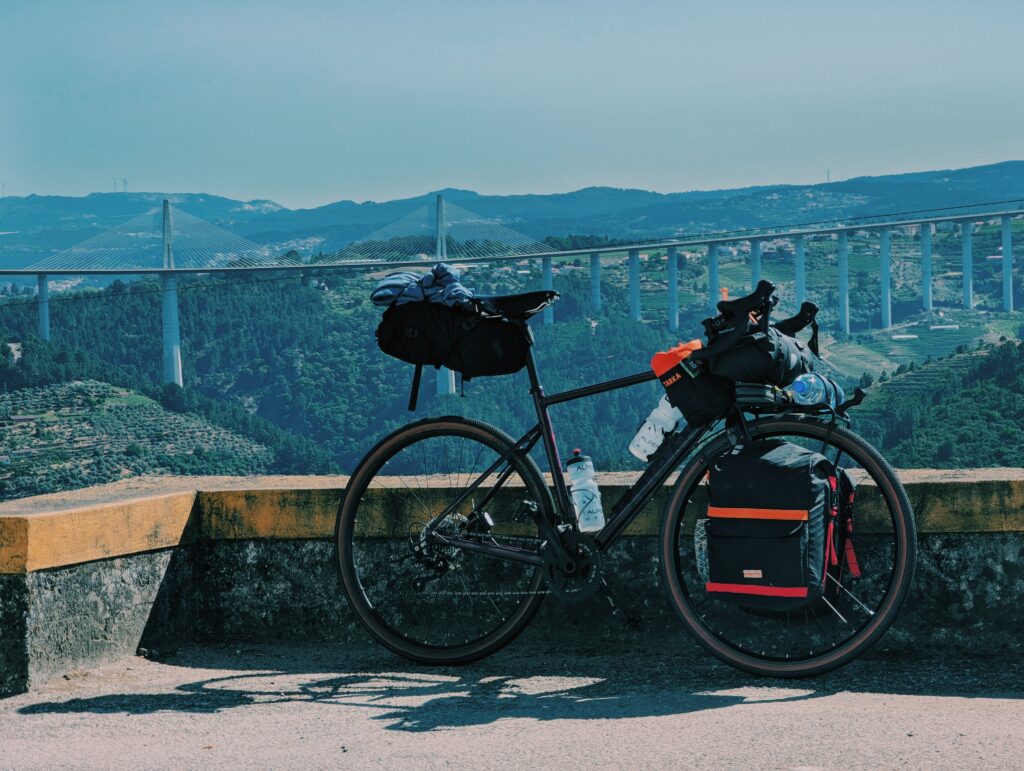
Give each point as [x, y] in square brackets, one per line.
[506, 539]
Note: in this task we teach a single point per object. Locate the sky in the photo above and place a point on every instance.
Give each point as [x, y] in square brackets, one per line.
[311, 101]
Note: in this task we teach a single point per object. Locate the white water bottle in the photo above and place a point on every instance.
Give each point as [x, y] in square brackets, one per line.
[816, 389]
[586, 498]
[662, 420]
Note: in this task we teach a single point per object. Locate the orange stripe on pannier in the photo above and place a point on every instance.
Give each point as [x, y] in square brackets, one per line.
[741, 513]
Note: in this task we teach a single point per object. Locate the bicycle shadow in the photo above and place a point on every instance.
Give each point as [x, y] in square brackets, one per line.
[409, 698]
[555, 686]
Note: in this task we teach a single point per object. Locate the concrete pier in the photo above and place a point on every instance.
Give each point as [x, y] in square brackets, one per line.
[926, 266]
[800, 268]
[843, 254]
[445, 382]
[43, 299]
[673, 288]
[169, 295]
[885, 270]
[713, 284]
[549, 283]
[172, 331]
[966, 231]
[634, 284]
[1007, 238]
[595, 282]
[755, 263]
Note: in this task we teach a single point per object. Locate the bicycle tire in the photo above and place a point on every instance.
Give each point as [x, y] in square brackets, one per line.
[900, 582]
[365, 610]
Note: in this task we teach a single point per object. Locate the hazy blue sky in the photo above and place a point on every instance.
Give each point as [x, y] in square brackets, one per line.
[311, 101]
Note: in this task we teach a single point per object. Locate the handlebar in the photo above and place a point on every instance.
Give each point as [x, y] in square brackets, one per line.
[760, 302]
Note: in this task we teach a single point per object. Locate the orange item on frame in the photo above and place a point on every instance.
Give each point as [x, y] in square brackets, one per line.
[663, 361]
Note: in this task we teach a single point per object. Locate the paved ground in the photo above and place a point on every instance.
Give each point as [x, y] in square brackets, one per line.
[324, 706]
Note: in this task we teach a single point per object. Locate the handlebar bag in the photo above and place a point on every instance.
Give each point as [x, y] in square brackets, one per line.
[771, 528]
[432, 333]
[702, 397]
[763, 357]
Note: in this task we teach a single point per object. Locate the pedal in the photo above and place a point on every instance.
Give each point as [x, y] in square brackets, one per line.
[632, 621]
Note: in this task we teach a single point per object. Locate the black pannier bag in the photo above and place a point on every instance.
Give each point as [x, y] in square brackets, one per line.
[771, 527]
[435, 334]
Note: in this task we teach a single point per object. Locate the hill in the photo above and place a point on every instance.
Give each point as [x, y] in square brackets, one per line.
[35, 226]
[965, 411]
[83, 433]
[296, 368]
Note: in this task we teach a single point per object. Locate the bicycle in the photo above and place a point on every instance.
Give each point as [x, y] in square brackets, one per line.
[448, 537]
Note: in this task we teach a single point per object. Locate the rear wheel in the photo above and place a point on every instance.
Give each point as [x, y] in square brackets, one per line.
[424, 600]
[853, 613]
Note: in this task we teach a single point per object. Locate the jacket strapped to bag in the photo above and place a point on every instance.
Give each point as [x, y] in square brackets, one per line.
[433, 319]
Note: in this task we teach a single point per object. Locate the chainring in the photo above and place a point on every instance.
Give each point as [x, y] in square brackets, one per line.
[585, 579]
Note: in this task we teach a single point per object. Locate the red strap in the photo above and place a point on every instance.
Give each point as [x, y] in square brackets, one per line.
[830, 550]
[851, 559]
[767, 591]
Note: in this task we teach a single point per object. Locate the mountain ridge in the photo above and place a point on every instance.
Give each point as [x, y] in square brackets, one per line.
[35, 226]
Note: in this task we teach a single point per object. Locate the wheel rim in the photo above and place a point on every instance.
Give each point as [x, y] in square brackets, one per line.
[851, 613]
[411, 588]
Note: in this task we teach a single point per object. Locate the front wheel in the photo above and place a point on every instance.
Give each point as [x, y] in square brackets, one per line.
[851, 615]
[428, 482]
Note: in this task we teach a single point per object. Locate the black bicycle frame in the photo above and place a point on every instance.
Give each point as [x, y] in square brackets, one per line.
[668, 457]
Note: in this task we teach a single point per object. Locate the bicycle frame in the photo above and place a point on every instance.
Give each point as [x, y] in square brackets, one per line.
[668, 457]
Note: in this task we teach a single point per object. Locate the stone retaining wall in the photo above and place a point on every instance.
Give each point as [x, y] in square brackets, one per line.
[86, 576]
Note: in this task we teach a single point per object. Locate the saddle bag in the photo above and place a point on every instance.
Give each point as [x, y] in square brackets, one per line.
[772, 525]
[431, 333]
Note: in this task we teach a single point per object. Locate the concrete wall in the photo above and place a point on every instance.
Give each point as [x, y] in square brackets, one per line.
[86, 577]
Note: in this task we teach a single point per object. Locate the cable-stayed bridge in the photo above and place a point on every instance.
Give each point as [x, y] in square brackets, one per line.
[438, 230]
[170, 242]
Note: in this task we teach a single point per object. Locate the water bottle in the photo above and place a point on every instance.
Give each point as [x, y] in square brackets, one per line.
[586, 498]
[662, 420]
[817, 389]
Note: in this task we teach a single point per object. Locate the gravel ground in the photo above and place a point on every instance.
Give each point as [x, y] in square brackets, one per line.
[327, 706]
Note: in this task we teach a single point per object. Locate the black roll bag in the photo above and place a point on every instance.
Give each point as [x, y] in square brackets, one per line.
[771, 527]
[432, 333]
[769, 357]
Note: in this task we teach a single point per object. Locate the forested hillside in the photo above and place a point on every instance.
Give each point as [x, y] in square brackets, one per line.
[965, 411]
[296, 369]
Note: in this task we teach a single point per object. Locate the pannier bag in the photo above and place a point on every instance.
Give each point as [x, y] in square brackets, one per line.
[702, 397]
[453, 337]
[772, 525]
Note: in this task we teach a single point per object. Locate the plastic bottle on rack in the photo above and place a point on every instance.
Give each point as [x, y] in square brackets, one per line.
[662, 420]
[817, 389]
[586, 497]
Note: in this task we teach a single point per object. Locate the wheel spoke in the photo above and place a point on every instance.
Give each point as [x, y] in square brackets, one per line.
[425, 596]
[841, 618]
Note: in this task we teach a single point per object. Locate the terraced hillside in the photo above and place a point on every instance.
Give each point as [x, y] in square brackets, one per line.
[965, 411]
[83, 433]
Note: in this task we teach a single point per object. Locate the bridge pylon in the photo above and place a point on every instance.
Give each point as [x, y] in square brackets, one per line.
[169, 294]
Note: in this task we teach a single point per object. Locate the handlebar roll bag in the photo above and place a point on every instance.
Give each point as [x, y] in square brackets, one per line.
[763, 357]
